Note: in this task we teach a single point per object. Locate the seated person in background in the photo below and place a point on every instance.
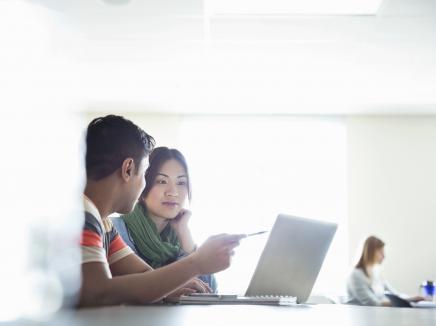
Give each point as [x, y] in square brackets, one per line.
[116, 160]
[365, 285]
[157, 228]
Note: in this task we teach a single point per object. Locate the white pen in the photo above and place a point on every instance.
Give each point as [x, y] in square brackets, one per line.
[256, 233]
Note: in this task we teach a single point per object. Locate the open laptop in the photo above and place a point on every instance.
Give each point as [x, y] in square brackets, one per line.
[288, 266]
[398, 301]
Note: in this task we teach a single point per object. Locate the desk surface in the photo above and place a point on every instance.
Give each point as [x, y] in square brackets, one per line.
[244, 315]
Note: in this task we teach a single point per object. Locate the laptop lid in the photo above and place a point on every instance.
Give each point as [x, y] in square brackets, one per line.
[397, 301]
[292, 257]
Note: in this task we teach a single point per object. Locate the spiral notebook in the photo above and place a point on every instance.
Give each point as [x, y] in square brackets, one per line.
[287, 268]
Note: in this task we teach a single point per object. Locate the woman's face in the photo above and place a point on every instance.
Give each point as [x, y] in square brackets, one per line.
[169, 191]
[379, 255]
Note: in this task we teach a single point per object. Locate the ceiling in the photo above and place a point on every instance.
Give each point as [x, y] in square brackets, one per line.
[173, 56]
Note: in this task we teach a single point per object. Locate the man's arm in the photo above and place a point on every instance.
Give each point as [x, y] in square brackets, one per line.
[131, 264]
[100, 288]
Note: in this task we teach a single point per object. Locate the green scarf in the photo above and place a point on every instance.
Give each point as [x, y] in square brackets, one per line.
[157, 249]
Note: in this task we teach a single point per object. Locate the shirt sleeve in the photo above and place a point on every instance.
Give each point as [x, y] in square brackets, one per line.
[117, 247]
[361, 290]
[390, 289]
[92, 241]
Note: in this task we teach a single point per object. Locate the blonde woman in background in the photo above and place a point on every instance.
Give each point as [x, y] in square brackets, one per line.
[365, 285]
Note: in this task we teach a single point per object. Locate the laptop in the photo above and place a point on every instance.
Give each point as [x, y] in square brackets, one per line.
[398, 301]
[288, 266]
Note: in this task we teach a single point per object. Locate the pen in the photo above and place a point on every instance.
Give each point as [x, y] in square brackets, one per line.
[256, 233]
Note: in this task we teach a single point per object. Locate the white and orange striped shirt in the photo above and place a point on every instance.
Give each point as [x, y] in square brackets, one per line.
[100, 240]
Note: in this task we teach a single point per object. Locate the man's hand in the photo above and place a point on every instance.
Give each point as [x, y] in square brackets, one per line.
[198, 286]
[215, 254]
[193, 286]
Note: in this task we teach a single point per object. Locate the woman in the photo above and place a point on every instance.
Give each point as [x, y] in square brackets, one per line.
[365, 285]
[157, 229]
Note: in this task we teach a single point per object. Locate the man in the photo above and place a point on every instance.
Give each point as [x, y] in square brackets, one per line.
[116, 161]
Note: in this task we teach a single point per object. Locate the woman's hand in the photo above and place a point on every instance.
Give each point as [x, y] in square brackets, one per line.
[416, 299]
[180, 225]
[180, 222]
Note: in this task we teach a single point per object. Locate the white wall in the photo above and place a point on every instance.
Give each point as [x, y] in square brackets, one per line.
[165, 129]
[392, 190]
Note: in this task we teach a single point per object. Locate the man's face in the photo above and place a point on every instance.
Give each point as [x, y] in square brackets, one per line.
[134, 187]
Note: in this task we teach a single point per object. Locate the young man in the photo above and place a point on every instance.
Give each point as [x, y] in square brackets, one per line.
[116, 161]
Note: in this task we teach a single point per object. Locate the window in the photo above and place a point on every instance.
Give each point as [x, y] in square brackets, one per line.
[246, 170]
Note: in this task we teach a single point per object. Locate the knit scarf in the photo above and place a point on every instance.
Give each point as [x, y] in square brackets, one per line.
[157, 249]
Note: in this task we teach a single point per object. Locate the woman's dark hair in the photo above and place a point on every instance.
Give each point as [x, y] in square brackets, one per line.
[371, 245]
[156, 159]
[112, 139]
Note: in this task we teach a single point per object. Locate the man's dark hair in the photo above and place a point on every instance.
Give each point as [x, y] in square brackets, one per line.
[112, 139]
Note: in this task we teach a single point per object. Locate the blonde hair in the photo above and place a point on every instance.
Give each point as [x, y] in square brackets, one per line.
[371, 245]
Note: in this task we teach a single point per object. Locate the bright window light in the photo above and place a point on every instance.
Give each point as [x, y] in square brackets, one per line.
[40, 136]
[247, 170]
[307, 7]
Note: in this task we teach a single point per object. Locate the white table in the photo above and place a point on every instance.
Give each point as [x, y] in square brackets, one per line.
[244, 315]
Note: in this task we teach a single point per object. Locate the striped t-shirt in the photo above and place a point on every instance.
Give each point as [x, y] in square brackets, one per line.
[100, 240]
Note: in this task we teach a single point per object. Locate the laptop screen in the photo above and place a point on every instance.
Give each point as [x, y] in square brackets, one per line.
[292, 257]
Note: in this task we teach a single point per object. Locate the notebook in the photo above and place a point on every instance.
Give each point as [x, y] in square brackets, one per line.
[287, 268]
